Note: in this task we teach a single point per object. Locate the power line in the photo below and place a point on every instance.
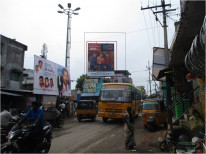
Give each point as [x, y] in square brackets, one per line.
[147, 30]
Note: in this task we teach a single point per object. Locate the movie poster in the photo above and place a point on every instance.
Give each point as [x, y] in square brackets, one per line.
[100, 59]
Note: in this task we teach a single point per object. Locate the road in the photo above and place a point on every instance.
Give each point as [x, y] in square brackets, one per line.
[99, 137]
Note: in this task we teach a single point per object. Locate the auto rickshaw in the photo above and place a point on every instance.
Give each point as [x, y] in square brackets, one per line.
[153, 114]
[86, 109]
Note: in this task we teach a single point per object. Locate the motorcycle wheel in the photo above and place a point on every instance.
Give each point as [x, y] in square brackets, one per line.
[61, 123]
[45, 146]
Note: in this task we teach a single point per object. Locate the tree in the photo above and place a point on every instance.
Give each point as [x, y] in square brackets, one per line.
[80, 82]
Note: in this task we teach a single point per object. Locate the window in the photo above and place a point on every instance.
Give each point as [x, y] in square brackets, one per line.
[15, 76]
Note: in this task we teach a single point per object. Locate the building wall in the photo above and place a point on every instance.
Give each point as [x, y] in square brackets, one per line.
[12, 63]
[28, 79]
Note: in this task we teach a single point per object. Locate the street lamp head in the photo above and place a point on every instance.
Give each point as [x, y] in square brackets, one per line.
[61, 6]
[60, 11]
[75, 13]
[78, 8]
[69, 5]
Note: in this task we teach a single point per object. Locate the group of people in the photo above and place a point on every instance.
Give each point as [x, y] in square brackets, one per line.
[47, 83]
[34, 117]
[43, 82]
[101, 63]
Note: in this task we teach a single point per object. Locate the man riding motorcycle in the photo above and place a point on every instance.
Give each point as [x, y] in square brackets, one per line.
[35, 119]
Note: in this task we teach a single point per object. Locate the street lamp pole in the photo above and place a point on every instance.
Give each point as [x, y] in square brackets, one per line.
[69, 13]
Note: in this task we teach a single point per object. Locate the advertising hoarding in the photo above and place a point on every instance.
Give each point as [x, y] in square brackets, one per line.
[158, 62]
[50, 78]
[90, 85]
[100, 59]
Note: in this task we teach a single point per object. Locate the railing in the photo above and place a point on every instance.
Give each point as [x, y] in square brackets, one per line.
[179, 101]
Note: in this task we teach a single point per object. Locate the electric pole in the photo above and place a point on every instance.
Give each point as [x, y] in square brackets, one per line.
[149, 68]
[164, 25]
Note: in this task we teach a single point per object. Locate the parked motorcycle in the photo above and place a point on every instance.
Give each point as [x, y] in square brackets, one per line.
[179, 138]
[18, 140]
[58, 122]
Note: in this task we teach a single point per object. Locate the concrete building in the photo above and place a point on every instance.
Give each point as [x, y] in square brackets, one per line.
[12, 63]
[28, 79]
[121, 76]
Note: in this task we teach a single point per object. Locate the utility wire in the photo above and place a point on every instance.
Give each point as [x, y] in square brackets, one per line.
[147, 30]
[152, 29]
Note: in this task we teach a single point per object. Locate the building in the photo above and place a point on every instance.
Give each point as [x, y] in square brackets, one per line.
[28, 79]
[12, 63]
[185, 77]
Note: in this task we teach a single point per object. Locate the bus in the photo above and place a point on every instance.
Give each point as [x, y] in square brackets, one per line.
[115, 98]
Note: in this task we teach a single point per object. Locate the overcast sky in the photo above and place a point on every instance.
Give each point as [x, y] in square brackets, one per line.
[34, 22]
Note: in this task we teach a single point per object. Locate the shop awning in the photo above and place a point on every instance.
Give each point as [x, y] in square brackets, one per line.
[164, 72]
[10, 94]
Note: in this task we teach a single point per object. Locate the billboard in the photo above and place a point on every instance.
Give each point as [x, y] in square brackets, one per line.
[90, 85]
[50, 78]
[100, 59]
[158, 62]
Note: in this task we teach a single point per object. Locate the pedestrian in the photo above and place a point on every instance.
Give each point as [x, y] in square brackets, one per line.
[129, 130]
[100, 62]
[5, 116]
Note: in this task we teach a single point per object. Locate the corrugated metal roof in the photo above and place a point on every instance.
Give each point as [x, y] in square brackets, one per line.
[10, 94]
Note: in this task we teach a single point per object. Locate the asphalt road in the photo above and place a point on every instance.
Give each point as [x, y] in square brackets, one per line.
[99, 137]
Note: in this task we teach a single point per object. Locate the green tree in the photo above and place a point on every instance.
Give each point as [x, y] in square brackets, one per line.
[80, 82]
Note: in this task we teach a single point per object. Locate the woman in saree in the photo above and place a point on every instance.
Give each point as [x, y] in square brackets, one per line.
[129, 129]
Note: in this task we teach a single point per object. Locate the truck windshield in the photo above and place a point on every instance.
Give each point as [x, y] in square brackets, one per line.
[85, 105]
[115, 95]
[150, 106]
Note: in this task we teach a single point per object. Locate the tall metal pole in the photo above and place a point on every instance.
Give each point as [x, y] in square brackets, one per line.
[68, 42]
[165, 34]
[149, 77]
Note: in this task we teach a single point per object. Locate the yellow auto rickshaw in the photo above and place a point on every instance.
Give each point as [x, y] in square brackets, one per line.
[86, 109]
[153, 114]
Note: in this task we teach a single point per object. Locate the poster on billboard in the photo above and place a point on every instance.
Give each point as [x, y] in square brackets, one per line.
[90, 85]
[50, 78]
[100, 59]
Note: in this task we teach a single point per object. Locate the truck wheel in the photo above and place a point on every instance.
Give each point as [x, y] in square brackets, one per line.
[79, 119]
[104, 119]
[93, 119]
